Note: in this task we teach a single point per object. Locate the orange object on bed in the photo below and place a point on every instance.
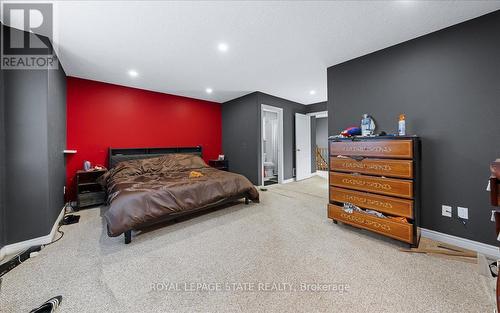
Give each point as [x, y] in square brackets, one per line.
[195, 174]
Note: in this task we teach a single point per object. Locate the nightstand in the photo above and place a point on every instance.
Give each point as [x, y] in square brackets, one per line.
[88, 191]
[222, 165]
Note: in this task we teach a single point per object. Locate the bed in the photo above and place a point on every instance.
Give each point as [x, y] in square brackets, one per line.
[146, 186]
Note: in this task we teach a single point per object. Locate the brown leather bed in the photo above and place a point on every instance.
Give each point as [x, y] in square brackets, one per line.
[149, 186]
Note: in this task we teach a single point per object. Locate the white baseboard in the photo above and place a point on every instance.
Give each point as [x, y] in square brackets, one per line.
[17, 247]
[323, 174]
[488, 250]
[317, 173]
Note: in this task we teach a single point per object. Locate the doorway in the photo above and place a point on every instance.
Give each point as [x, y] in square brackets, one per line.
[271, 145]
[319, 144]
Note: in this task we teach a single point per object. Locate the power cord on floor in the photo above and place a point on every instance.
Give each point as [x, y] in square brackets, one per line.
[60, 237]
[59, 231]
[34, 250]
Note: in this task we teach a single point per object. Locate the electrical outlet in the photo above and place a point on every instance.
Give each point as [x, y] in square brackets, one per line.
[446, 210]
[463, 212]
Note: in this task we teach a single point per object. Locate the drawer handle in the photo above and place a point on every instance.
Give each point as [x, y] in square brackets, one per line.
[358, 158]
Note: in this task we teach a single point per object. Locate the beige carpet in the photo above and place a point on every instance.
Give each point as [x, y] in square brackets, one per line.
[284, 239]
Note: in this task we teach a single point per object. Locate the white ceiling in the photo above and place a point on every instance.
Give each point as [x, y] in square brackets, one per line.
[282, 48]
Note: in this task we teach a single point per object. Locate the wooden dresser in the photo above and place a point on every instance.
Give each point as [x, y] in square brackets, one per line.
[495, 202]
[495, 183]
[380, 174]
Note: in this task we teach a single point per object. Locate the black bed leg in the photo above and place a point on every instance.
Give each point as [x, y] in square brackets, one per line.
[246, 200]
[334, 221]
[128, 236]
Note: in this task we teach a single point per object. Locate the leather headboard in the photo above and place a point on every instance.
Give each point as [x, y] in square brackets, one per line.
[117, 155]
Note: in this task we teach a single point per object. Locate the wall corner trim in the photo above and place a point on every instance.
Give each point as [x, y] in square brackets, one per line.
[318, 114]
[479, 247]
[17, 247]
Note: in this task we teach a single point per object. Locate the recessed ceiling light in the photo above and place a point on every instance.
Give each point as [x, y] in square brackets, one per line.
[312, 92]
[223, 47]
[133, 73]
[209, 90]
[408, 2]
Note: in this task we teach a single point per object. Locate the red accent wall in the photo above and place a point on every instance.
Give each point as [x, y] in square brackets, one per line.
[101, 115]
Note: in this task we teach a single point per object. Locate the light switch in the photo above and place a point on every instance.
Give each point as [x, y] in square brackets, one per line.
[446, 210]
[463, 213]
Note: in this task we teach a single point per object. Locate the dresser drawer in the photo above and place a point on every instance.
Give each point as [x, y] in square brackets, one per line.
[397, 230]
[399, 149]
[384, 204]
[386, 186]
[391, 168]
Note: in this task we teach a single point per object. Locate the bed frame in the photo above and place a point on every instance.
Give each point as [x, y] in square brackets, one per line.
[117, 155]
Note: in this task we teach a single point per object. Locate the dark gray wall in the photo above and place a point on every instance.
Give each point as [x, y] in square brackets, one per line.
[241, 133]
[26, 154]
[35, 135]
[316, 107]
[447, 83]
[2, 160]
[56, 140]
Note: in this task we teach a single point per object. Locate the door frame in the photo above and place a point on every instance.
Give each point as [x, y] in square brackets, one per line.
[269, 108]
[308, 149]
[319, 114]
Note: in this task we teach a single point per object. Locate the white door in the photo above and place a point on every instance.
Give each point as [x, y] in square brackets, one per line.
[302, 146]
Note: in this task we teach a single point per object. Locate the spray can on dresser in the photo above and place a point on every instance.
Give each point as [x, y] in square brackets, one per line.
[402, 125]
[367, 125]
